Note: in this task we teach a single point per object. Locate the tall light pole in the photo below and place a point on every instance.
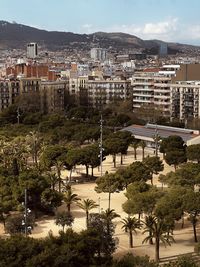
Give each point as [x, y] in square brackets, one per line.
[101, 145]
[25, 212]
[18, 115]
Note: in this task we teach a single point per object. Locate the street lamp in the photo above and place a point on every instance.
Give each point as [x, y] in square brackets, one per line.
[27, 211]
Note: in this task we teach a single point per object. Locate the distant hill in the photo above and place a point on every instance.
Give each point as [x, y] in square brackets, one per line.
[13, 35]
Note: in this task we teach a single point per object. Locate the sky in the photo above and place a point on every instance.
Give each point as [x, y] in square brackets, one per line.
[167, 20]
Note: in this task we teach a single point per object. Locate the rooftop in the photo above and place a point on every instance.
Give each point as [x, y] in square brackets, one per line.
[149, 130]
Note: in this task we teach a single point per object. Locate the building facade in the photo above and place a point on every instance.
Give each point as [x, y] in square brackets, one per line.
[32, 50]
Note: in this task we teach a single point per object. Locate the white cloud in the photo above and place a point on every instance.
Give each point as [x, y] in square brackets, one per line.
[170, 29]
[161, 27]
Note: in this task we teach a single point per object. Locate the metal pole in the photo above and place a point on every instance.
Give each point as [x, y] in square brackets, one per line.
[101, 148]
[25, 213]
[18, 115]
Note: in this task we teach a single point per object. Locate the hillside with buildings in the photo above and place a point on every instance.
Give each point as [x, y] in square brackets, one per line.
[13, 35]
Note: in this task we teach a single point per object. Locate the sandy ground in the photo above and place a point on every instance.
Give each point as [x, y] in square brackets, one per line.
[183, 237]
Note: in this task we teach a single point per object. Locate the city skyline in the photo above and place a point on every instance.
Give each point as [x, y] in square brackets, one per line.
[169, 20]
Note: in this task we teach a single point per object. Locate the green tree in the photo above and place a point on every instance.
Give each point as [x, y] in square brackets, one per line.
[174, 150]
[35, 183]
[64, 219]
[87, 205]
[129, 260]
[135, 145]
[130, 224]
[137, 171]
[98, 224]
[34, 142]
[191, 206]
[187, 175]
[158, 230]
[142, 145]
[170, 206]
[108, 215]
[70, 198]
[54, 156]
[51, 199]
[141, 198]
[109, 183]
[175, 157]
[193, 152]
[154, 164]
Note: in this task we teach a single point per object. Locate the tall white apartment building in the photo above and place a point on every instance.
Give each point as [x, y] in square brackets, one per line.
[32, 50]
[152, 86]
[98, 54]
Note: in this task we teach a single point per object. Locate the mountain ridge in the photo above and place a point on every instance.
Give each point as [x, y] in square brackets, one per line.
[15, 35]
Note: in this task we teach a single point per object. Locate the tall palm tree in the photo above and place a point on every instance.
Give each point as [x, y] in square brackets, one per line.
[135, 146]
[130, 224]
[143, 145]
[70, 198]
[109, 215]
[158, 230]
[87, 205]
[53, 179]
[149, 220]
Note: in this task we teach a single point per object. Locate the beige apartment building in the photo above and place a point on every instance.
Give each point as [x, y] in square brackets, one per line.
[162, 87]
[104, 91]
[50, 96]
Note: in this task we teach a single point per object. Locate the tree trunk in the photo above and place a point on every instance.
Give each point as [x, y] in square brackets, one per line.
[59, 179]
[135, 153]
[109, 198]
[87, 218]
[195, 232]
[92, 171]
[142, 154]
[114, 160]
[152, 179]
[68, 207]
[183, 222]
[86, 166]
[151, 239]
[130, 239]
[121, 159]
[157, 250]
[70, 175]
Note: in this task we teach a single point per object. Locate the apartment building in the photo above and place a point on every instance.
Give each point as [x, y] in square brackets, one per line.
[52, 95]
[9, 90]
[44, 96]
[32, 50]
[160, 87]
[98, 54]
[105, 91]
[185, 100]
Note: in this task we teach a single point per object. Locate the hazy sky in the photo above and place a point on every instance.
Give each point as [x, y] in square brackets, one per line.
[168, 20]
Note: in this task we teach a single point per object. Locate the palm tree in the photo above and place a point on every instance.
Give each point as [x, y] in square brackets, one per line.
[109, 215]
[149, 222]
[70, 198]
[87, 205]
[159, 230]
[53, 179]
[130, 224]
[135, 146]
[143, 145]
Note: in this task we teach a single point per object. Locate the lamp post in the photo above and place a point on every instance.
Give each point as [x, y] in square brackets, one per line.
[27, 211]
[101, 145]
